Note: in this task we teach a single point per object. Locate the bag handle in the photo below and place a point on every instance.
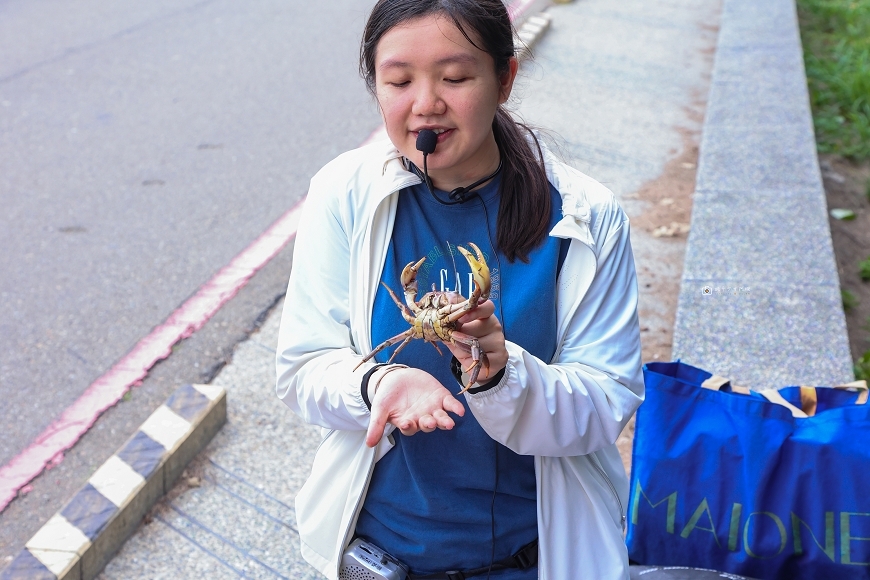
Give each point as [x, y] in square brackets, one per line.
[716, 382]
[809, 398]
[859, 386]
[775, 397]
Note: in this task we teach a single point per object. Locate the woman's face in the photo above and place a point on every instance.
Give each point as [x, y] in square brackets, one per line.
[429, 76]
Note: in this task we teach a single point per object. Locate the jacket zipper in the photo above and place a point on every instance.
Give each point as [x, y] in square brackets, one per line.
[359, 501]
[323, 440]
[597, 464]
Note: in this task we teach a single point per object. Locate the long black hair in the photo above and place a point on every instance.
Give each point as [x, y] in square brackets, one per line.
[524, 209]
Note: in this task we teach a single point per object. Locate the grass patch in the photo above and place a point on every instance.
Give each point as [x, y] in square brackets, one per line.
[864, 269]
[862, 367]
[836, 40]
[850, 302]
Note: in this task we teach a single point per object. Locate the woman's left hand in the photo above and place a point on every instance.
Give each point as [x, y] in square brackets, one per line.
[482, 324]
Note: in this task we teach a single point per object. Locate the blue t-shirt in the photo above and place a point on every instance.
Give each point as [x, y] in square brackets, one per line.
[430, 502]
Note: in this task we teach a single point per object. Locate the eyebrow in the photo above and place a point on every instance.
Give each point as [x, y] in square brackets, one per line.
[452, 59]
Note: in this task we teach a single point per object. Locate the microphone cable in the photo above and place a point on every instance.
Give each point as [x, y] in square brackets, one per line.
[426, 143]
[427, 140]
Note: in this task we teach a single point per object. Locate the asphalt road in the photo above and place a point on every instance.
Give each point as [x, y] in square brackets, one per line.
[142, 146]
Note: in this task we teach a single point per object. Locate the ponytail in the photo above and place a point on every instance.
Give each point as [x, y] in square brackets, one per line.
[524, 211]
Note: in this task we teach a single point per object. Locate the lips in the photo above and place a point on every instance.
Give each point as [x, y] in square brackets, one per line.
[441, 132]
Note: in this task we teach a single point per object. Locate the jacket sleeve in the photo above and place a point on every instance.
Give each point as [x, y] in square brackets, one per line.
[580, 403]
[316, 356]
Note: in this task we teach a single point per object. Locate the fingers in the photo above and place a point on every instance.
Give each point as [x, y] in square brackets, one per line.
[437, 420]
[443, 420]
[408, 428]
[483, 310]
[411, 400]
[452, 404]
[377, 424]
[427, 423]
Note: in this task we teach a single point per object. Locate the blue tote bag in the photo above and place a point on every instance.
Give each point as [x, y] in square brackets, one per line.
[769, 484]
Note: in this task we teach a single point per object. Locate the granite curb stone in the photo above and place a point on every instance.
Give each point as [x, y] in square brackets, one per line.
[750, 158]
[738, 103]
[82, 537]
[734, 241]
[529, 32]
[760, 296]
[763, 335]
[748, 23]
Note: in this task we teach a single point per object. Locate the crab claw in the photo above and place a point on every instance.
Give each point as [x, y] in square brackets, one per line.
[409, 276]
[479, 270]
[409, 283]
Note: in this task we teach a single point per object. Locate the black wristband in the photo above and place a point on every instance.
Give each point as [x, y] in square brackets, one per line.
[456, 369]
[364, 384]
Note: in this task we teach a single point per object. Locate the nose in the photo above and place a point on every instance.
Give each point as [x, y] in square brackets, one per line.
[427, 101]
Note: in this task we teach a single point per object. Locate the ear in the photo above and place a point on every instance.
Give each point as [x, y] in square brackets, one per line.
[506, 81]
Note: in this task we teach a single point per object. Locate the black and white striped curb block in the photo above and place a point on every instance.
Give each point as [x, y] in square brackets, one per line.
[82, 537]
[530, 32]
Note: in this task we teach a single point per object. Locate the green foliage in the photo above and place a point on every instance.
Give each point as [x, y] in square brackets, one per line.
[864, 269]
[862, 367]
[836, 39]
[849, 300]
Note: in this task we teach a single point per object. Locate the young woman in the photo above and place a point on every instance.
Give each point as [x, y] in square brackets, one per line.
[518, 477]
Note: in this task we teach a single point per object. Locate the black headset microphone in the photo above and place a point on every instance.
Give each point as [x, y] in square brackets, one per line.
[427, 140]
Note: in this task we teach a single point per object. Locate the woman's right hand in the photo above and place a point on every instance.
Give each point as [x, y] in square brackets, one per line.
[412, 400]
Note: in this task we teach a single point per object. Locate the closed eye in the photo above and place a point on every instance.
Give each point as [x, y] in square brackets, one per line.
[456, 81]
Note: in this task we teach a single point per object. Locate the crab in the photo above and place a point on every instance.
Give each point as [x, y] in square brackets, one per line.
[434, 317]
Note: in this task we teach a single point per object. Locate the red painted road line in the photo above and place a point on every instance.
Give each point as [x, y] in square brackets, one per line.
[48, 447]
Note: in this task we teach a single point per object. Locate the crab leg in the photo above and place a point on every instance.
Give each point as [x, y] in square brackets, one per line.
[472, 345]
[406, 312]
[405, 337]
[454, 312]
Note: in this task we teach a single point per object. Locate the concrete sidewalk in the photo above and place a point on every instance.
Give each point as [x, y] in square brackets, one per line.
[622, 85]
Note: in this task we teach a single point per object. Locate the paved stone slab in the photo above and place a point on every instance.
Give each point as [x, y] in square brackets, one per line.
[152, 559]
[768, 65]
[611, 82]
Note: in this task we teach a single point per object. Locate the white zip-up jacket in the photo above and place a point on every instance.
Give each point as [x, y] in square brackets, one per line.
[567, 412]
